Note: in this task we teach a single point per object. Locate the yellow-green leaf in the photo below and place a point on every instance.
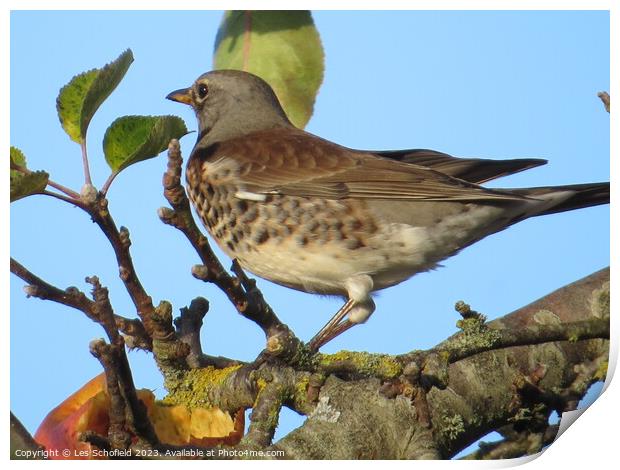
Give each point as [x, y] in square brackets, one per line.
[17, 158]
[131, 139]
[282, 47]
[78, 101]
[23, 181]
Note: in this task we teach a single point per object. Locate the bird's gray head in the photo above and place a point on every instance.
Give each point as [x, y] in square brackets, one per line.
[231, 103]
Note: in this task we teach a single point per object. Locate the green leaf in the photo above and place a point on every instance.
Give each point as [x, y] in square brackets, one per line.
[78, 101]
[24, 183]
[28, 184]
[282, 47]
[131, 139]
[17, 158]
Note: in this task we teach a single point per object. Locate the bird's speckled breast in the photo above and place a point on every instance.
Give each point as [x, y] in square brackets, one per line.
[257, 233]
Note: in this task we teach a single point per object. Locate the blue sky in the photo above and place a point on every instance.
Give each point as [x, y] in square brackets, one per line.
[479, 84]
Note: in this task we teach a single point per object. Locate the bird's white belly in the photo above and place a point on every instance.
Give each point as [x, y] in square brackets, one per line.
[395, 253]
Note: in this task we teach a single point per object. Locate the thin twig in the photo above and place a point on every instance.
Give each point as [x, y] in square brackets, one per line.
[73, 297]
[87, 179]
[108, 182]
[70, 200]
[135, 333]
[102, 309]
[188, 326]
[119, 239]
[258, 310]
[604, 96]
[69, 192]
[453, 349]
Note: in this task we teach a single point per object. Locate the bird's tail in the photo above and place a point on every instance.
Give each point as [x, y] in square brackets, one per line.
[568, 197]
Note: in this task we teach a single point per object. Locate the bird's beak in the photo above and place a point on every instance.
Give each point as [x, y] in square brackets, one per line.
[181, 96]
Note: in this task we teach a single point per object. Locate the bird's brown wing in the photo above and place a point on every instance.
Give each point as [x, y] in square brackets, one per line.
[295, 163]
[474, 170]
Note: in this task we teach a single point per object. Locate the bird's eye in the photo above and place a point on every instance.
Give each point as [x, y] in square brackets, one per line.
[202, 90]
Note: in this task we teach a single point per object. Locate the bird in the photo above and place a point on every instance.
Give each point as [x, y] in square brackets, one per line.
[315, 216]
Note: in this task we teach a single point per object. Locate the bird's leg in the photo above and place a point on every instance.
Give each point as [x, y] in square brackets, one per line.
[325, 334]
[358, 307]
[336, 330]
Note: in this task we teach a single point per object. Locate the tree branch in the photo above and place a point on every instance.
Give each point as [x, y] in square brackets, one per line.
[128, 415]
[459, 347]
[515, 446]
[188, 326]
[120, 242]
[73, 297]
[487, 390]
[604, 96]
[515, 385]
